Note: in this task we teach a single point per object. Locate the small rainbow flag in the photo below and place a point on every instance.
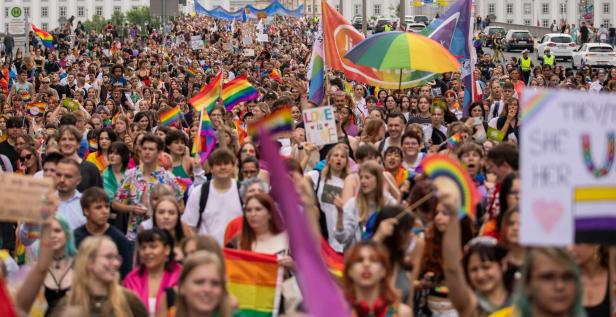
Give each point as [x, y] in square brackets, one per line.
[92, 145]
[333, 260]
[275, 75]
[184, 183]
[205, 140]
[455, 140]
[238, 90]
[276, 122]
[25, 95]
[191, 72]
[208, 96]
[170, 116]
[45, 37]
[35, 108]
[255, 279]
[436, 166]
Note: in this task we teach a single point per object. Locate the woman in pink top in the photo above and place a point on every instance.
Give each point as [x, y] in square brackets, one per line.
[158, 269]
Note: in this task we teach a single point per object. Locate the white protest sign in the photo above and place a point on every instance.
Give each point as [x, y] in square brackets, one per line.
[248, 52]
[22, 197]
[262, 37]
[568, 176]
[320, 125]
[247, 40]
[196, 42]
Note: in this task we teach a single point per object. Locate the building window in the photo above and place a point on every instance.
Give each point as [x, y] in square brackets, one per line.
[545, 8]
[563, 8]
[606, 23]
[509, 8]
[527, 8]
[357, 9]
[45, 26]
[117, 9]
[27, 11]
[6, 12]
[377, 9]
[606, 8]
[338, 7]
[44, 12]
[6, 27]
[491, 8]
[545, 23]
[527, 22]
[308, 8]
[63, 12]
[98, 11]
[509, 21]
[81, 12]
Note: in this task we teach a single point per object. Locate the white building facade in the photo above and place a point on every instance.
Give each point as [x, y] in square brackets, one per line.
[376, 8]
[46, 14]
[544, 12]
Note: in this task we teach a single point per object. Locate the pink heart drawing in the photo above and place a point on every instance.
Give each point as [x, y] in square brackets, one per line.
[548, 213]
[325, 124]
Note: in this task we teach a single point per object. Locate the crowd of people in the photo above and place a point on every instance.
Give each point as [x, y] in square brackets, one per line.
[124, 236]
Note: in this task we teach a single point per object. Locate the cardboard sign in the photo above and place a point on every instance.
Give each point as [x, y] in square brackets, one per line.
[196, 42]
[320, 125]
[568, 176]
[248, 52]
[247, 40]
[262, 37]
[22, 197]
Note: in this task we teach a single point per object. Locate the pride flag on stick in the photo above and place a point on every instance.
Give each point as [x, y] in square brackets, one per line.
[45, 37]
[255, 279]
[170, 116]
[236, 91]
[208, 96]
[205, 140]
[277, 122]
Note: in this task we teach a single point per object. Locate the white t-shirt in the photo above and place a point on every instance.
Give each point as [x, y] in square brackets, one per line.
[332, 187]
[220, 209]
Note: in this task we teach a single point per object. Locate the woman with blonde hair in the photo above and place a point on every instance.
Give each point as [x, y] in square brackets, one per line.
[96, 290]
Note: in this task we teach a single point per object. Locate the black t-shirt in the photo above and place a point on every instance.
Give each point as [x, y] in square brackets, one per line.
[120, 241]
[584, 31]
[612, 31]
[10, 152]
[90, 176]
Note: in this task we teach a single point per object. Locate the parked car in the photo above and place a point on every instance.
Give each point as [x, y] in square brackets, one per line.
[560, 45]
[415, 27]
[421, 19]
[490, 31]
[519, 39]
[595, 55]
[379, 25]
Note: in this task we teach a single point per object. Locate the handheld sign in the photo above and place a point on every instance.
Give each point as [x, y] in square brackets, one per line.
[320, 125]
[568, 176]
[22, 197]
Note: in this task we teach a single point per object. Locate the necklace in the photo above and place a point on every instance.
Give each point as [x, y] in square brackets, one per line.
[58, 261]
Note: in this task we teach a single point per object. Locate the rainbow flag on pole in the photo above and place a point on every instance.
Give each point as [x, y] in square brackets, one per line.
[236, 91]
[316, 70]
[205, 140]
[45, 37]
[208, 96]
[170, 116]
[276, 122]
[255, 279]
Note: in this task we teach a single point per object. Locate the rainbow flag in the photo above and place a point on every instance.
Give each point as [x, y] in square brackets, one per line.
[255, 279]
[316, 70]
[333, 260]
[184, 183]
[191, 72]
[276, 122]
[208, 96]
[170, 116]
[35, 108]
[455, 140]
[205, 140]
[45, 37]
[97, 159]
[275, 75]
[236, 91]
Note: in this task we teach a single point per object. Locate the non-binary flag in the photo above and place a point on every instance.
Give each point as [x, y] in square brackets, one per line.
[45, 37]
[316, 70]
[208, 96]
[255, 279]
[170, 116]
[236, 91]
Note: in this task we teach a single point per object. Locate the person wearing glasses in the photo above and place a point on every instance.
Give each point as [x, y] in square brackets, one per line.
[29, 161]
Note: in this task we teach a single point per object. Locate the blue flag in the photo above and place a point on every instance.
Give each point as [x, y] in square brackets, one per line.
[455, 31]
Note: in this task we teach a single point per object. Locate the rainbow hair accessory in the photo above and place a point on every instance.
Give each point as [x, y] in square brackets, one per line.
[435, 166]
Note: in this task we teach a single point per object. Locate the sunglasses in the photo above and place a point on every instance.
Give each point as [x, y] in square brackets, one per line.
[25, 158]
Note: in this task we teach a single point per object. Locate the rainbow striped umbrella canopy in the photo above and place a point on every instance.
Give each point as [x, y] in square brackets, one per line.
[403, 50]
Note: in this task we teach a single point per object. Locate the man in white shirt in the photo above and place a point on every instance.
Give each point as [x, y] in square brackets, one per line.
[67, 179]
[222, 199]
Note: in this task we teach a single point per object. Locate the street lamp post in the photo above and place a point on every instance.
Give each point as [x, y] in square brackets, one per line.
[364, 19]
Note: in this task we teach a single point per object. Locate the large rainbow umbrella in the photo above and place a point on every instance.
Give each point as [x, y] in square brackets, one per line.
[403, 50]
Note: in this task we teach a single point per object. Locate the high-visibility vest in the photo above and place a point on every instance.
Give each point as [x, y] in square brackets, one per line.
[525, 63]
[548, 60]
[387, 28]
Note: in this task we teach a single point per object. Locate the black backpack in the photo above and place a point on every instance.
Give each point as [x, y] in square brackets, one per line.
[205, 193]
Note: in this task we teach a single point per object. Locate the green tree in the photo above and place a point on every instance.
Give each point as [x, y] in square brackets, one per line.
[118, 19]
[140, 16]
[96, 23]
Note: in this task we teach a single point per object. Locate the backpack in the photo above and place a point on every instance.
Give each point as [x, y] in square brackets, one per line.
[205, 193]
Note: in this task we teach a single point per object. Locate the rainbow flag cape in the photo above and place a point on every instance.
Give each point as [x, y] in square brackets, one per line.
[275, 75]
[205, 140]
[276, 122]
[333, 260]
[45, 37]
[208, 96]
[236, 91]
[97, 159]
[255, 279]
[35, 108]
[170, 116]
